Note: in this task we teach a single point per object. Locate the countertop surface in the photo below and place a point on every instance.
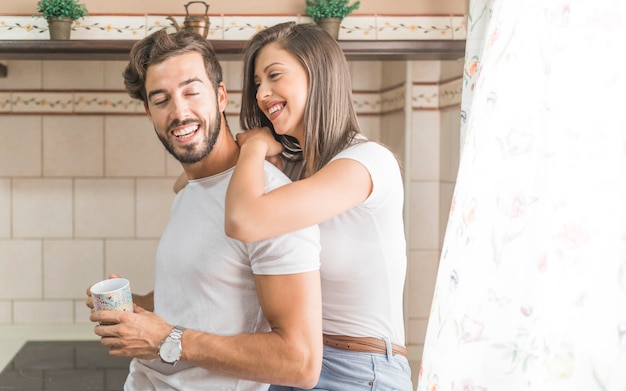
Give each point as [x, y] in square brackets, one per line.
[13, 337]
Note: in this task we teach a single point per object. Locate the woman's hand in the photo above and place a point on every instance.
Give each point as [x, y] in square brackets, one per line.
[265, 139]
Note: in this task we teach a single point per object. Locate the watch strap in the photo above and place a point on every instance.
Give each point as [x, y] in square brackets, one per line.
[176, 333]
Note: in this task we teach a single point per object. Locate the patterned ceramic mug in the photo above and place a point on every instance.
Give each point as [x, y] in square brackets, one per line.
[112, 294]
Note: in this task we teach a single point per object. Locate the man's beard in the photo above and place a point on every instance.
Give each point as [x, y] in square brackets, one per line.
[193, 153]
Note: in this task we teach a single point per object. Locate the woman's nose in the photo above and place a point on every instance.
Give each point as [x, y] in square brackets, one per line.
[262, 92]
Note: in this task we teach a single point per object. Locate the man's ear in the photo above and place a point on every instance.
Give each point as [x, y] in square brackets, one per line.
[222, 96]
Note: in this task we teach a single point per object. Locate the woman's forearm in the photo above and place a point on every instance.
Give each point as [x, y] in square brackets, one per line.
[246, 187]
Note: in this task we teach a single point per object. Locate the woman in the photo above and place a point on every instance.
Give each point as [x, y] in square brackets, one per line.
[297, 90]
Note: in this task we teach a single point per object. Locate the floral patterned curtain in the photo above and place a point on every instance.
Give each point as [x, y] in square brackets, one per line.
[531, 288]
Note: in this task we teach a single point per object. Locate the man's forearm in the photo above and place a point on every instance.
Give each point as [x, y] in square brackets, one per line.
[262, 357]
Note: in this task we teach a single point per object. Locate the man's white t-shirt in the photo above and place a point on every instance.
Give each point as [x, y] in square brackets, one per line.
[205, 280]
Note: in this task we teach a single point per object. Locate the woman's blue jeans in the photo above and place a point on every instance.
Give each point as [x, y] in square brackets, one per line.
[344, 370]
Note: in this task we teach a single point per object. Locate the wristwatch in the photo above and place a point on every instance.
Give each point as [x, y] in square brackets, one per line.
[171, 348]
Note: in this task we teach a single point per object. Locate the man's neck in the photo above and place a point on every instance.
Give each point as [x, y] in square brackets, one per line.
[222, 157]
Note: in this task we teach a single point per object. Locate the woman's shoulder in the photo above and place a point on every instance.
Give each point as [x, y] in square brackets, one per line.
[366, 148]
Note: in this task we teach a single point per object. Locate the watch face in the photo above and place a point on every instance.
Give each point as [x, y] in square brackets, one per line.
[170, 351]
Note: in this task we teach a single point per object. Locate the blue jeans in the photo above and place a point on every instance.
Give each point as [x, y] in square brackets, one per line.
[344, 370]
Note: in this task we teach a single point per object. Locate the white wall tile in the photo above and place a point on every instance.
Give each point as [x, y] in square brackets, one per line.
[104, 208]
[425, 145]
[393, 134]
[426, 71]
[233, 106]
[5, 208]
[153, 202]
[78, 75]
[21, 265]
[22, 74]
[20, 145]
[450, 143]
[81, 311]
[42, 208]
[132, 148]
[366, 75]
[422, 274]
[113, 79]
[71, 266]
[416, 331]
[424, 215]
[43, 312]
[73, 146]
[394, 74]
[132, 259]
[446, 192]
[6, 312]
[371, 126]
[233, 75]
[233, 122]
[451, 69]
[172, 166]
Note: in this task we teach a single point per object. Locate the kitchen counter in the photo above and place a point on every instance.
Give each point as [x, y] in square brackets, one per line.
[13, 337]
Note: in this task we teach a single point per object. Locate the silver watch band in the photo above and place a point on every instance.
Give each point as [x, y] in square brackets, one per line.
[176, 333]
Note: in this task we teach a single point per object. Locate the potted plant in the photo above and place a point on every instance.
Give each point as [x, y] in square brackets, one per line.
[60, 15]
[329, 13]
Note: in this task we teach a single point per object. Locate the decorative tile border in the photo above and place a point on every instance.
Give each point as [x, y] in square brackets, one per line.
[42, 102]
[234, 27]
[424, 96]
[367, 102]
[358, 28]
[5, 102]
[437, 96]
[394, 99]
[85, 102]
[450, 93]
[415, 28]
[243, 28]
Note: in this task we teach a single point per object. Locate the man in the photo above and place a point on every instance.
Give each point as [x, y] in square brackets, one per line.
[245, 314]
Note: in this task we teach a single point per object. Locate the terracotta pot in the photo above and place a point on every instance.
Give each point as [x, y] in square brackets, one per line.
[60, 28]
[331, 25]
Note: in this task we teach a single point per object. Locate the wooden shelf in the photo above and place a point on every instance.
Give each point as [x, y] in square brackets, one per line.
[117, 50]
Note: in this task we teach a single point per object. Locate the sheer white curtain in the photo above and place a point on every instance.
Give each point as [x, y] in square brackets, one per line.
[531, 289]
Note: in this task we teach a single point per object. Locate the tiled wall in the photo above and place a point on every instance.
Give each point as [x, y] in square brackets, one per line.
[85, 186]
